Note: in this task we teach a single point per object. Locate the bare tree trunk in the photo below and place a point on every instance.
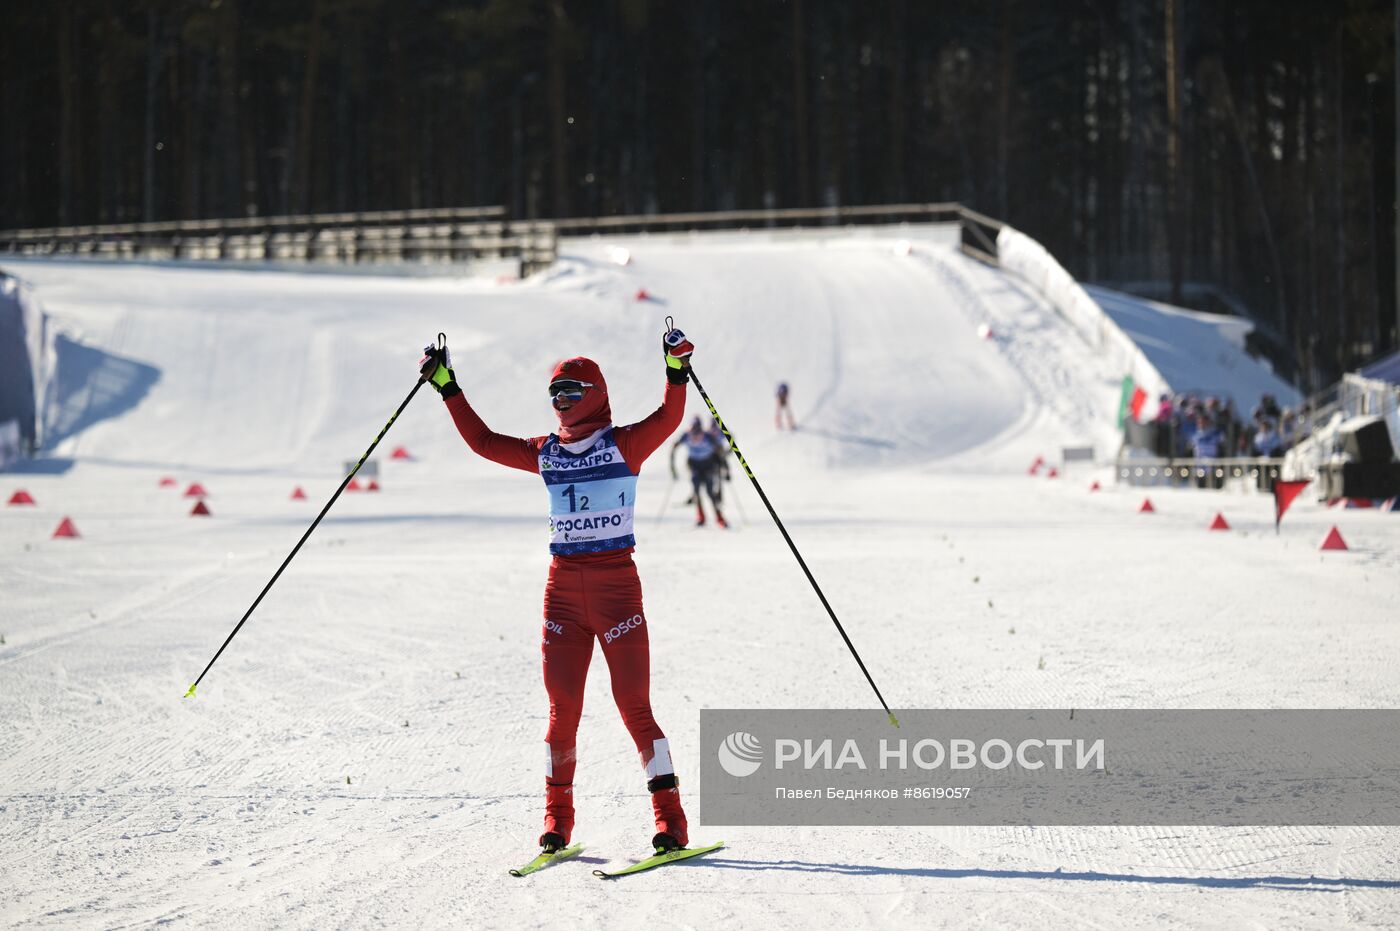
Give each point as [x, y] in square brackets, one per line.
[1174, 237]
[230, 195]
[306, 122]
[799, 104]
[698, 105]
[896, 188]
[1339, 173]
[558, 111]
[108, 199]
[68, 158]
[1266, 227]
[154, 60]
[1007, 67]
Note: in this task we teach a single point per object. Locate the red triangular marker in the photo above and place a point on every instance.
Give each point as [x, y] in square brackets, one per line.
[1284, 493]
[1333, 540]
[196, 490]
[298, 494]
[66, 529]
[1095, 486]
[1053, 473]
[400, 453]
[1219, 522]
[372, 486]
[1147, 507]
[642, 294]
[354, 485]
[21, 497]
[200, 509]
[168, 482]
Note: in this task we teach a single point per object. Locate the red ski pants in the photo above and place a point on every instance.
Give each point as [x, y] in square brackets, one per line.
[583, 603]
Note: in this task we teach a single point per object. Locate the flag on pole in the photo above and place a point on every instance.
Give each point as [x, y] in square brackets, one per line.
[1137, 403]
[1131, 403]
[1284, 493]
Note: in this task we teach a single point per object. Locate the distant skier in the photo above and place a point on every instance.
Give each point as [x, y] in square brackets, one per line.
[704, 455]
[590, 471]
[783, 408]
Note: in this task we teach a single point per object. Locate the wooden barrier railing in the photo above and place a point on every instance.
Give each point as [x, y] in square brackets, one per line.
[454, 235]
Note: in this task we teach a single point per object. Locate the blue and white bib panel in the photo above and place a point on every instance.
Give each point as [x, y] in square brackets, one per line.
[591, 496]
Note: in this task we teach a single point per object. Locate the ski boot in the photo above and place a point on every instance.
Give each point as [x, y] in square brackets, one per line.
[671, 828]
[699, 515]
[719, 519]
[665, 843]
[558, 816]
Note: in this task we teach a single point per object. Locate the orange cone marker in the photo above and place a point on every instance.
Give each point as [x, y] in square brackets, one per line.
[1333, 540]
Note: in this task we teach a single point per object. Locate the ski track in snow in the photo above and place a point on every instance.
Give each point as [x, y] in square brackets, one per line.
[400, 649]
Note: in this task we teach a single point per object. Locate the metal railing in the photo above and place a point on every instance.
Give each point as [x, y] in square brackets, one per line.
[1263, 471]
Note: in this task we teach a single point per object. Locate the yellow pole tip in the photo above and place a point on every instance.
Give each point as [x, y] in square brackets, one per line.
[893, 719]
[190, 693]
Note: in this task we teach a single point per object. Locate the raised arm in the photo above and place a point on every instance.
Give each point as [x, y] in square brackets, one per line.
[436, 369]
[510, 451]
[639, 440]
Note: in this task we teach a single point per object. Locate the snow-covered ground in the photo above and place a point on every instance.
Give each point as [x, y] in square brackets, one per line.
[367, 752]
[1196, 352]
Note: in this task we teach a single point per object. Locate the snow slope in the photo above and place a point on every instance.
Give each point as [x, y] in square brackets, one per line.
[367, 751]
[1196, 352]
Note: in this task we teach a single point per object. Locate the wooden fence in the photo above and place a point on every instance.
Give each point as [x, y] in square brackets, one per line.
[444, 236]
[389, 236]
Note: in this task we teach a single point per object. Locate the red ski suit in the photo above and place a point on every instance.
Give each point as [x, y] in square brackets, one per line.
[593, 596]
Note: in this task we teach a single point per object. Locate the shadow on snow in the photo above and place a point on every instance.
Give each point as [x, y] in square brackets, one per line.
[1299, 883]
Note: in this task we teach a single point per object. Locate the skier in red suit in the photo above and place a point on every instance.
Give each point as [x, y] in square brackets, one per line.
[590, 470]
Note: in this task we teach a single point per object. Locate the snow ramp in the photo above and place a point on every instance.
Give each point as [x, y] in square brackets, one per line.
[899, 352]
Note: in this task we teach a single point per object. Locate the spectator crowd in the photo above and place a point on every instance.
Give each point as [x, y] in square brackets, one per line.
[1211, 428]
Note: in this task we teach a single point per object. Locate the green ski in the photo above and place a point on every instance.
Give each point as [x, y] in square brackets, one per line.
[545, 859]
[661, 859]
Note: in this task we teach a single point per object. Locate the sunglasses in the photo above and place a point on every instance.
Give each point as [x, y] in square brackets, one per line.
[568, 389]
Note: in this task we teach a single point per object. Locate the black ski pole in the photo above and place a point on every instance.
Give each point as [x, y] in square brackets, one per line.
[734, 447]
[276, 575]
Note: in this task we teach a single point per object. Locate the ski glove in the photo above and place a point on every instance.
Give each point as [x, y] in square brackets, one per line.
[677, 350]
[436, 369]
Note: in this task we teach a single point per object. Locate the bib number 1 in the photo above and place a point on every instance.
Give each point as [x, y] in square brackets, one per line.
[577, 502]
